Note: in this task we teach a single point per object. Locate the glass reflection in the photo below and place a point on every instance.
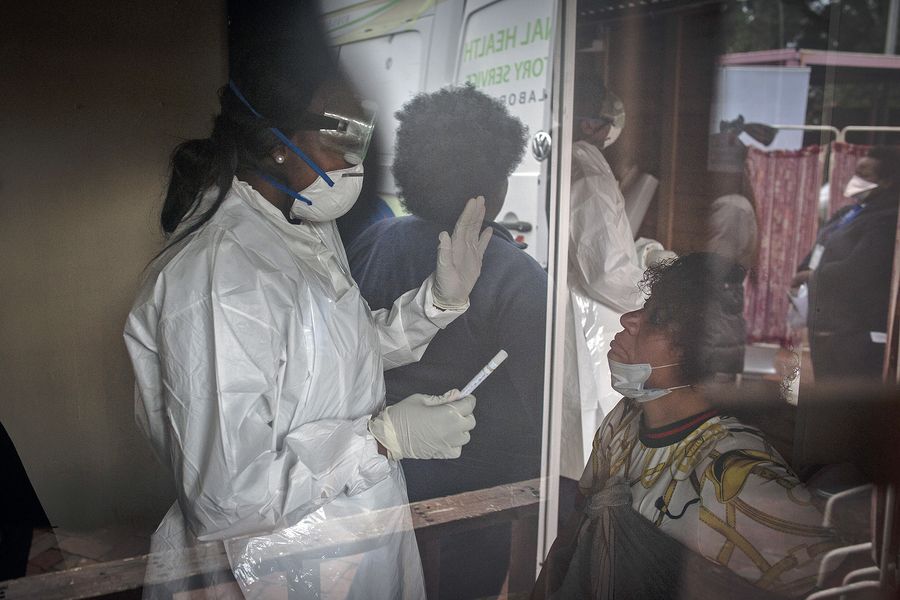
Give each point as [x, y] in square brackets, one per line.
[730, 268]
[741, 145]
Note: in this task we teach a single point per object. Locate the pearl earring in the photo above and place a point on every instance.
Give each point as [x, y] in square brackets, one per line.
[279, 159]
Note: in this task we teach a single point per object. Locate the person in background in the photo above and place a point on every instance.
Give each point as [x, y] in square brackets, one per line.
[258, 365]
[667, 461]
[849, 273]
[732, 230]
[731, 227]
[452, 144]
[603, 274]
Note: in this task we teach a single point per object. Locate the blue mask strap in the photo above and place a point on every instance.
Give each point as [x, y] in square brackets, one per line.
[284, 139]
[281, 187]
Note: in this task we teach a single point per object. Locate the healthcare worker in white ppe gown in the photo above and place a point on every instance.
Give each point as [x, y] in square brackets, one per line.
[259, 367]
[605, 267]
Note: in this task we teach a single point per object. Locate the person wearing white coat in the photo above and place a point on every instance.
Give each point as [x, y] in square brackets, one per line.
[603, 277]
[258, 365]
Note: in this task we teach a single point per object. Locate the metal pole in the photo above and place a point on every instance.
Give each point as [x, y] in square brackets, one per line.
[557, 290]
[822, 128]
[890, 37]
[850, 128]
[834, 27]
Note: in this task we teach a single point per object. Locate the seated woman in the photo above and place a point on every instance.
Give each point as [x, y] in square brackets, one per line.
[727, 502]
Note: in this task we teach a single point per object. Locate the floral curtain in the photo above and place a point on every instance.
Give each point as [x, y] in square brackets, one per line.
[785, 188]
[844, 157]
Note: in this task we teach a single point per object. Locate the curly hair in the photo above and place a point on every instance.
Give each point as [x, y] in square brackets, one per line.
[452, 145]
[699, 300]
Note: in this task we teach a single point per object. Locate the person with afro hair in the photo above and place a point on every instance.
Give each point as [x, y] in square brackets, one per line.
[452, 145]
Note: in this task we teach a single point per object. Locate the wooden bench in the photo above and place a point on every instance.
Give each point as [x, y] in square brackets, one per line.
[432, 519]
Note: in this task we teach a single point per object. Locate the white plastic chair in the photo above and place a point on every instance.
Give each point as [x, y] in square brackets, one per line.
[884, 560]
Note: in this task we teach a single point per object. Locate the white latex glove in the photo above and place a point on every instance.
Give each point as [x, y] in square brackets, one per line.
[649, 252]
[657, 256]
[459, 257]
[422, 426]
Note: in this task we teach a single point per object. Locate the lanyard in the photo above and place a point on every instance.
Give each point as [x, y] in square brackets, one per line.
[850, 215]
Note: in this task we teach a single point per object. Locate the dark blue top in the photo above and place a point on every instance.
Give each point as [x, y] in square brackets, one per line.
[849, 292]
[507, 311]
[367, 210]
[851, 288]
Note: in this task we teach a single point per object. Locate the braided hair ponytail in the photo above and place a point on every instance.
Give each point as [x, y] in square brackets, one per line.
[280, 87]
[198, 165]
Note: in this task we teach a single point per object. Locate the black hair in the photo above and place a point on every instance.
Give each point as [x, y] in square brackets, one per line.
[589, 91]
[452, 145]
[279, 80]
[888, 157]
[588, 94]
[699, 300]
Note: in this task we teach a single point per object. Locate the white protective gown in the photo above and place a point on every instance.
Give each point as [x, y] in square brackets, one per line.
[603, 284]
[258, 365]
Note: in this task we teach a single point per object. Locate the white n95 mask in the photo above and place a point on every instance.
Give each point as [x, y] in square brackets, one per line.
[629, 380]
[858, 185]
[613, 109]
[614, 132]
[327, 203]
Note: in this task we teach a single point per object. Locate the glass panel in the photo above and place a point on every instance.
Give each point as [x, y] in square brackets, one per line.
[505, 52]
[445, 144]
[726, 146]
[676, 338]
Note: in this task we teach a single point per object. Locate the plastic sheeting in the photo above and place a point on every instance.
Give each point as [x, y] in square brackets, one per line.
[602, 257]
[587, 390]
[258, 365]
[603, 284]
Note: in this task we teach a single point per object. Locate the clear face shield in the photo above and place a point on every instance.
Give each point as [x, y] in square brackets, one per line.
[350, 134]
[346, 122]
[612, 113]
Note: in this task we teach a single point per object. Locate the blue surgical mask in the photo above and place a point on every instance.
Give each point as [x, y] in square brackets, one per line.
[629, 380]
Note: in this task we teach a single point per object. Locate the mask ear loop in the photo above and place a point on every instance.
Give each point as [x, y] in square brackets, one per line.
[677, 387]
[284, 140]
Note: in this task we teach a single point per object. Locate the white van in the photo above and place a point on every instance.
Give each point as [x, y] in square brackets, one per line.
[395, 49]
